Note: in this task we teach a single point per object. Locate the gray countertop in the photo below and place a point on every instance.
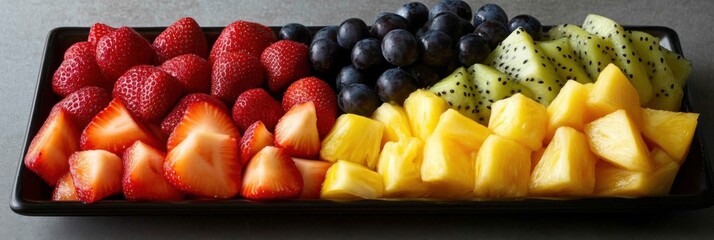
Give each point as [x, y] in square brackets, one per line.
[25, 24]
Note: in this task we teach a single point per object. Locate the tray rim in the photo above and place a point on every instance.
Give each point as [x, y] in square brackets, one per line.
[22, 206]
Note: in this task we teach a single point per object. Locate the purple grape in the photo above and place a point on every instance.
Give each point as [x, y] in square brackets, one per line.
[473, 49]
[329, 32]
[527, 22]
[395, 85]
[351, 31]
[325, 55]
[437, 48]
[416, 14]
[358, 99]
[399, 48]
[490, 12]
[386, 23]
[367, 54]
[458, 7]
[295, 32]
[493, 32]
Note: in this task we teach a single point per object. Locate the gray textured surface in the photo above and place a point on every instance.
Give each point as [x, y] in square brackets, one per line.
[24, 26]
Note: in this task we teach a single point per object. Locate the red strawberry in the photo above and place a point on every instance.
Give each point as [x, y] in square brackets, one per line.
[80, 48]
[82, 105]
[175, 116]
[297, 131]
[78, 71]
[313, 175]
[321, 94]
[192, 71]
[202, 117]
[51, 147]
[148, 92]
[182, 37]
[285, 61]
[205, 164]
[143, 177]
[65, 189]
[242, 36]
[271, 174]
[114, 129]
[255, 138]
[233, 73]
[98, 31]
[120, 50]
[96, 174]
[256, 105]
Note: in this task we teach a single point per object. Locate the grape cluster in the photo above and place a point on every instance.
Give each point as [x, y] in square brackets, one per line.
[412, 48]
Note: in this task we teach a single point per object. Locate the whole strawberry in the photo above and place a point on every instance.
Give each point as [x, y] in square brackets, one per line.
[233, 73]
[284, 62]
[176, 114]
[82, 105]
[242, 36]
[321, 94]
[182, 37]
[148, 92]
[254, 105]
[192, 71]
[120, 50]
[78, 71]
[80, 48]
[97, 31]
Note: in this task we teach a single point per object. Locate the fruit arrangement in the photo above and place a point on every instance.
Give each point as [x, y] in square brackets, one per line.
[446, 103]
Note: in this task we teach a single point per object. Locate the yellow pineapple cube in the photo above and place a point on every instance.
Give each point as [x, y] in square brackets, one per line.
[396, 123]
[449, 155]
[614, 181]
[567, 167]
[423, 109]
[400, 164]
[616, 139]
[671, 131]
[521, 119]
[353, 138]
[502, 169]
[613, 91]
[568, 108]
[346, 180]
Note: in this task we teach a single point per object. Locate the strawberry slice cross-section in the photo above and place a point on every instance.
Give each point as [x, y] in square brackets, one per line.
[271, 174]
[51, 147]
[203, 117]
[96, 174]
[143, 177]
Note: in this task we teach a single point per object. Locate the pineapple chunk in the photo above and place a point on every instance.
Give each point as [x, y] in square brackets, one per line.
[350, 181]
[399, 164]
[614, 181]
[671, 131]
[450, 153]
[353, 138]
[616, 139]
[423, 110]
[396, 124]
[520, 119]
[502, 169]
[567, 167]
[612, 91]
[568, 108]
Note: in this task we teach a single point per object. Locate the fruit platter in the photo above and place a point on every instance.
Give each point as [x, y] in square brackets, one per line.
[440, 109]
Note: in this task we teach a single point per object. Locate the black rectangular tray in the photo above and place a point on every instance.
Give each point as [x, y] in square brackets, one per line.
[692, 189]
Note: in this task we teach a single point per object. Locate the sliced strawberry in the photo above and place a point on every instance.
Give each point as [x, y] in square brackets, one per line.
[205, 164]
[321, 94]
[148, 92]
[114, 129]
[256, 105]
[143, 177]
[297, 131]
[176, 114]
[82, 105]
[78, 71]
[255, 138]
[271, 174]
[182, 37]
[97, 31]
[242, 36]
[192, 71]
[96, 174]
[285, 61]
[202, 117]
[233, 73]
[120, 50]
[80, 49]
[313, 175]
[65, 189]
[51, 147]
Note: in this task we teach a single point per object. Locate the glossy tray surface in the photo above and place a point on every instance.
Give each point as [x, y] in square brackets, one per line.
[692, 189]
